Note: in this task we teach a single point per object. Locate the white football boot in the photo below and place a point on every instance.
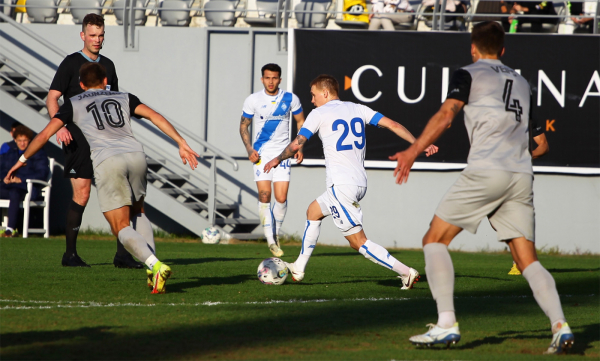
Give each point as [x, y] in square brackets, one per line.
[561, 340]
[436, 335]
[296, 275]
[409, 280]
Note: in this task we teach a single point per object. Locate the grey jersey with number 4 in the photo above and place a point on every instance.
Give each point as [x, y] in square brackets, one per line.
[497, 115]
[105, 119]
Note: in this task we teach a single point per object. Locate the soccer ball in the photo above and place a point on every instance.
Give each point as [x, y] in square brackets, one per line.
[211, 235]
[272, 271]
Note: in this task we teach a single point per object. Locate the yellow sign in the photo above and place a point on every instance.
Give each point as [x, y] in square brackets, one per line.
[357, 10]
[20, 8]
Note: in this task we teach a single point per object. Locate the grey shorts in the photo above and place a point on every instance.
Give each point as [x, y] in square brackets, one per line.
[506, 198]
[121, 180]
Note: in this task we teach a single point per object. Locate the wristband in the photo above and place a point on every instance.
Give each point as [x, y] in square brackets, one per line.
[22, 159]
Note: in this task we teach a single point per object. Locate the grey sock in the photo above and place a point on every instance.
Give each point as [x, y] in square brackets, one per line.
[142, 225]
[544, 290]
[134, 243]
[440, 275]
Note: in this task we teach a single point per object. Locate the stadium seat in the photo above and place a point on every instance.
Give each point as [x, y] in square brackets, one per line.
[317, 18]
[454, 21]
[169, 17]
[80, 8]
[27, 204]
[560, 7]
[220, 13]
[140, 15]
[37, 13]
[267, 12]
[410, 25]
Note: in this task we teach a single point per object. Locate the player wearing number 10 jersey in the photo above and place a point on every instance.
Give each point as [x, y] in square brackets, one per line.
[341, 127]
[118, 159]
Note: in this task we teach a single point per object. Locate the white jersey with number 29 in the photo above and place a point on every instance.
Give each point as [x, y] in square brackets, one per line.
[341, 127]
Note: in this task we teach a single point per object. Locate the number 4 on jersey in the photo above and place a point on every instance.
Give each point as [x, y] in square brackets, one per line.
[516, 104]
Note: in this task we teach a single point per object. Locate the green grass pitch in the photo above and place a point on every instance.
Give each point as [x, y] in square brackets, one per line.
[347, 308]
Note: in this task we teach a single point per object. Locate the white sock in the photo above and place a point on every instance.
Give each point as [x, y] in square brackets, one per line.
[556, 326]
[400, 268]
[446, 319]
[151, 261]
[309, 242]
[440, 276]
[279, 211]
[134, 243]
[379, 255]
[544, 291]
[142, 225]
[266, 219]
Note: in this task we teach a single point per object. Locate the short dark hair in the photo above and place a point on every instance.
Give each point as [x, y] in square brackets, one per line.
[488, 37]
[14, 125]
[325, 81]
[271, 67]
[92, 19]
[23, 130]
[91, 74]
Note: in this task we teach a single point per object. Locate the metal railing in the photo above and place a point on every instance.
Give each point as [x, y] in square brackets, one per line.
[284, 13]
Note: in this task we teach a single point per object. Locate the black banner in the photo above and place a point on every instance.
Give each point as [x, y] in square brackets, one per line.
[405, 75]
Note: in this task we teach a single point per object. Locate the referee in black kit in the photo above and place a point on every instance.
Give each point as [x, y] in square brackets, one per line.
[78, 164]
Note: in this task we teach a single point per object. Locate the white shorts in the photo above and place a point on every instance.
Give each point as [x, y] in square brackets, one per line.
[341, 202]
[279, 174]
[506, 198]
[121, 180]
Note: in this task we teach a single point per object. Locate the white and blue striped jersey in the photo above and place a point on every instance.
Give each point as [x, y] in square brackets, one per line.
[271, 125]
[341, 127]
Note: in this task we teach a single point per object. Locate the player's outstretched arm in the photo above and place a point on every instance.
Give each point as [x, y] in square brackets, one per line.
[404, 133]
[188, 156]
[433, 130]
[299, 122]
[36, 144]
[288, 152]
[542, 146]
[247, 139]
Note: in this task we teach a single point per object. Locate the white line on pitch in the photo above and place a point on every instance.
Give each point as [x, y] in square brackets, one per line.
[92, 304]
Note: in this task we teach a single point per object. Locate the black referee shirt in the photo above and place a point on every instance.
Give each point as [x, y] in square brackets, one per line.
[66, 79]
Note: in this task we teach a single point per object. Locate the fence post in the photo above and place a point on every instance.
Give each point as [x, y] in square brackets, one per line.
[212, 190]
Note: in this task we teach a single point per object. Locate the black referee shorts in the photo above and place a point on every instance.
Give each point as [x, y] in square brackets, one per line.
[78, 163]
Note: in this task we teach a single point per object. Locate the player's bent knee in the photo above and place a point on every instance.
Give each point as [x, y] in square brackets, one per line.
[264, 197]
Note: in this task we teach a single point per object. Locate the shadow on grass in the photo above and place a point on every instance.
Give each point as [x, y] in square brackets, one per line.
[29, 337]
[584, 336]
[209, 281]
[236, 338]
[571, 270]
[191, 261]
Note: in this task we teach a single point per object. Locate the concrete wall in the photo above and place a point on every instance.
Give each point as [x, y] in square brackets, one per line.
[170, 72]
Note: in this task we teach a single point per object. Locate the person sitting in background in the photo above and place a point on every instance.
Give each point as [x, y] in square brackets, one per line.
[533, 8]
[587, 9]
[8, 145]
[386, 13]
[16, 189]
[453, 7]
